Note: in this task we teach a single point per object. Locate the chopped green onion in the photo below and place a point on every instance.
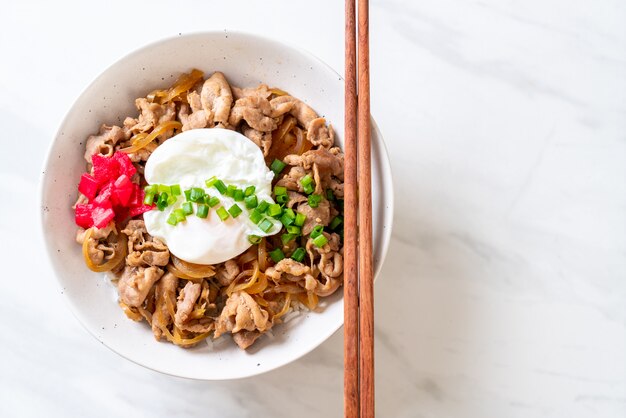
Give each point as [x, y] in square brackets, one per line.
[164, 189]
[286, 238]
[203, 211]
[172, 219]
[298, 254]
[308, 189]
[230, 190]
[249, 191]
[188, 195]
[340, 204]
[222, 213]
[175, 189]
[266, 225]
[314, 200]
[320, 241]
[317, 231]
[210, 182]
[274, 210]
[220, 186]
[213, 201]
[277, 255]
[197, 194]
[235, 210]
[251, 202]
[263, 206]
[337, 220]
[188, 208]
[330, 195]
[238, 196]
[254, 239]
[149, 199]
[292, 229]
[290, 213]
[277, 166]
[180, 215]
[278, 190]
[162, 202]
[282, 199]
[306, 180]
[171, 200]
[300, 218]
[151, 189]
[256, 216]
[286, 220]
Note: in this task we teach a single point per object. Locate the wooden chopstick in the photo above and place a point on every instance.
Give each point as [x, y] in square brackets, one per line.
[350, 246]
[366, 274]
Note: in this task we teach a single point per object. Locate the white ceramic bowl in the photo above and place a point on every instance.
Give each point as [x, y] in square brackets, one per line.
[246, 60]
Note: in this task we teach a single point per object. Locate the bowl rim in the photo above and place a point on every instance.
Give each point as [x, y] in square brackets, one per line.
[384, 156]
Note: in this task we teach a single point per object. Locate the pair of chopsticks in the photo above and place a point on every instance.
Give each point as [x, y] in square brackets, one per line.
[358, 267]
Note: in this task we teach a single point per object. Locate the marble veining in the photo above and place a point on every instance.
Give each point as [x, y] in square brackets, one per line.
[503, 292]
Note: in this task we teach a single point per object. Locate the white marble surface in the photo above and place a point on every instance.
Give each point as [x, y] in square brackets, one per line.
[504, 291]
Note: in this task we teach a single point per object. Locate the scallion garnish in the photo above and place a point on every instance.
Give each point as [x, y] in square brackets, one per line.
[265, 225]
[149, 199]
[330, 195]
[230, 190]
[213, 201]
[235, 210]
[162, 202]
[314, 200]
[277, 166]
[180, 214]
[249, 191]
[282, 199]
[263, 206]
[175, 189]
[197, 194]
[151, 189]
[286, 238]
[317, 231]
[298, 254]
[277, 255]
[251, 202]
[222, 213]
[300, 218]
[202, 211]
[220, 186]
[254, 239]
[188, 195]
[278, 190]
[295, 230]
[336, 221]
[320, 241]
[188, 208]
[274, 210]
[211, 182]
[162, 188]
[238, 195]
[172, 219]
[256, 216]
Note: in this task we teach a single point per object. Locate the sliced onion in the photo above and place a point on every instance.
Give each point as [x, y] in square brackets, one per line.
[184, 83]
[196, 271]
[120, 248]
[285, 307]
[140, 141]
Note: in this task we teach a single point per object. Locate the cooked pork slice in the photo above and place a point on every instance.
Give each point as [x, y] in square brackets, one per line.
[295, 199]
[291, 180]
[242, 313]
[319, 134]
[165, 295]
[227, 272]
[186, 301]
[135, 283]
[262, 140]
[325, 160]
[216, 97]
[315, 216]
[143, 248]
[256, 111]
[261, 91]
[150, 115]
[104, 143]
[297, 108]
[245, 339]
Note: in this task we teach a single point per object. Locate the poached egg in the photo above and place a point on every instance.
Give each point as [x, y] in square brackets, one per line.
[189, 159]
